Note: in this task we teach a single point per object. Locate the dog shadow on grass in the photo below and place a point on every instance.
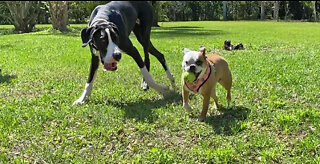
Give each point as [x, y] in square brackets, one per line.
[228, 121]
[6, 78]
[143, 110]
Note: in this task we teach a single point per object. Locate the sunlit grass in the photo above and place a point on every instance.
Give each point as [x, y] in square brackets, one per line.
[274, 119]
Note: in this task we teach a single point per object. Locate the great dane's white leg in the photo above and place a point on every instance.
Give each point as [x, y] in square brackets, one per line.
[171, 78]
[86, 93]
[158, 87]
[88, 88]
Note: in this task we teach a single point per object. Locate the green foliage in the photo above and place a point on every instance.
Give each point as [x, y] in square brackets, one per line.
[275, 116]
[5, 17]
[79, 11]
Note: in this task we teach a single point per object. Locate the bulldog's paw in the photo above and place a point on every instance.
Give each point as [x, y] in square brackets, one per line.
[187, 107]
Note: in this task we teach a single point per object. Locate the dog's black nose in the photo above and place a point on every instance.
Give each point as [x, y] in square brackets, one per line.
[116, 56]
[192, 68]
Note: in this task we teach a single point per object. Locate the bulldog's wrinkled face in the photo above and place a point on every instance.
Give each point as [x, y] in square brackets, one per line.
[104, 46]
[193, 61]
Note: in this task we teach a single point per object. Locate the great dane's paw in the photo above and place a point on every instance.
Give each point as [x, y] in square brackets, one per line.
[174, 86]
[165, 90]
[187, 107]
[79, 102]
[201, 119]
[144, 85]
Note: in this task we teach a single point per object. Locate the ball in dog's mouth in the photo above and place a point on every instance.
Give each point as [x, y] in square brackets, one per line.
[110, 66]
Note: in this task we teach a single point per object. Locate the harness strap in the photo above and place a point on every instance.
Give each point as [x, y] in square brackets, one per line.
[196, 85]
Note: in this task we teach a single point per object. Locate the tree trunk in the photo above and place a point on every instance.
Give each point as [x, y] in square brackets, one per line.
[225, 10]
[155, 6]
[263, 15]
[24, 14]
[276, 10]
[314, 10]
[59, 14]
[286, 8]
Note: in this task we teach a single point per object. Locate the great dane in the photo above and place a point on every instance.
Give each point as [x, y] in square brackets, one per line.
[108, 34]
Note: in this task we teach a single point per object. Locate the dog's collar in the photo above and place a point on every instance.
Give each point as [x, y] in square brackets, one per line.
[197, 84]
[93, 24]
[96, 21]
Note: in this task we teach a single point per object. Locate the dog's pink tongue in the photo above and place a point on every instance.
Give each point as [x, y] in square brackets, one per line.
[110, 66]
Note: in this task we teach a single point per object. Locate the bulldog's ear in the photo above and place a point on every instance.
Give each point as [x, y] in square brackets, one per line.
[85, 36]
[202, 50]
[186, 50]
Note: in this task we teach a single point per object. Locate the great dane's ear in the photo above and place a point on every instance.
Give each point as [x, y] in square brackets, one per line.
[103, 34]
[186, 50]
[85, 36]
[114, 32]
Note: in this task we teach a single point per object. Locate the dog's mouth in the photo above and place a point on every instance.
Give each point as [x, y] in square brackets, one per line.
[197, 74]
[110, 66]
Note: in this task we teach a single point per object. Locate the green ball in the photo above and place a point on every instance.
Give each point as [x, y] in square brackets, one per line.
[189, 76]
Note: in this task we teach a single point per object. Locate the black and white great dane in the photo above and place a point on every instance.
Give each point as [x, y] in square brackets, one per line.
[108, 34]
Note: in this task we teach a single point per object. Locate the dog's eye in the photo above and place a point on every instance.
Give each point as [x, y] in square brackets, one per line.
[198, 62]
[187, 62]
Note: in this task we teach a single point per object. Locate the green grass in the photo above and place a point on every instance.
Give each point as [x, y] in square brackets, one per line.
[275, 117]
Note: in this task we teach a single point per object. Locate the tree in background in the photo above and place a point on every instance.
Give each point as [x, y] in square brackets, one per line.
[43, 15]
[296, 9]
[23, 14]
[225, 9]
[276, 10]
[5, 16]
[195, 8]
[79, 11]
[212, 10]
[314, 10]
[59, 14]
[155, 6]
[263, 14]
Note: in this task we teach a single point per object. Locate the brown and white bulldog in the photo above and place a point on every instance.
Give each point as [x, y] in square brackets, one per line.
[209, 70]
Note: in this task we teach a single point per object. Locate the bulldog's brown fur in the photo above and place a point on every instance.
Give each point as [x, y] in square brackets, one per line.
[221, 74]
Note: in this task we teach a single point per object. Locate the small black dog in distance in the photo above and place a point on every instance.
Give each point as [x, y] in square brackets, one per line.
[228, 46]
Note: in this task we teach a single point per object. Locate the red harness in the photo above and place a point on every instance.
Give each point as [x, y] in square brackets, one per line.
[195, 86]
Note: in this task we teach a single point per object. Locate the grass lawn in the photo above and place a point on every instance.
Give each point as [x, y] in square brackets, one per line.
[275, 116]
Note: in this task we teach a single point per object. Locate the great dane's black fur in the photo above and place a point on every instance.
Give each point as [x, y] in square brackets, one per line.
[120, 18]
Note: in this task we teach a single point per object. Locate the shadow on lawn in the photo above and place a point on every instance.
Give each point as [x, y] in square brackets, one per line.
[228, 122]
[72, 31]
[159, 32]
[10, 31]
[6, 31]
[143, 110]
[6, 78]
[184, 31]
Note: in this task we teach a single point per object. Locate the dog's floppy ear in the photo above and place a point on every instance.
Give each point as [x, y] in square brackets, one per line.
[103, 34]
[85, 36]
[186, 50]
[114, 34]
[202, 50]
